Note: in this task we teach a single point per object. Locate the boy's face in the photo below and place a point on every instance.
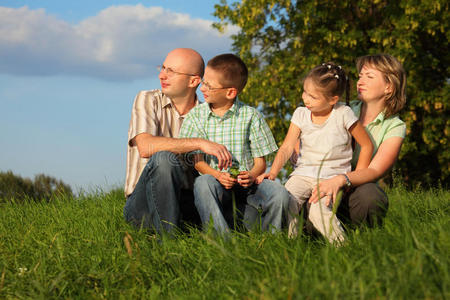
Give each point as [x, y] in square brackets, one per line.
[212, 89]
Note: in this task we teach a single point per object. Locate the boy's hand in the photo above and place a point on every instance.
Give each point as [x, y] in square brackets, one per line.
[263, 176]
[226, 180]
[246, 179]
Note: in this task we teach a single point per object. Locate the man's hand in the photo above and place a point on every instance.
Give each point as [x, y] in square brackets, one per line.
[226, 180]
[245, 178]
[219, 151]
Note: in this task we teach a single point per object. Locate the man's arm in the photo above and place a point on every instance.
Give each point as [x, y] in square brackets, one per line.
[148, 145]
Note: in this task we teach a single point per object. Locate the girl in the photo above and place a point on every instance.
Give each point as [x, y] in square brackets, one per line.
[381, 89]
[325, 129]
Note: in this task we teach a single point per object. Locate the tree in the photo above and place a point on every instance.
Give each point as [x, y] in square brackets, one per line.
[282, 40]
[42, 188]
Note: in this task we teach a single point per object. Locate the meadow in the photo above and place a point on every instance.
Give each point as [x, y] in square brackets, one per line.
[82, 249]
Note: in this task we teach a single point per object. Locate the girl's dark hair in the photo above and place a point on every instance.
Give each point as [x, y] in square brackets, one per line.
[331, 80]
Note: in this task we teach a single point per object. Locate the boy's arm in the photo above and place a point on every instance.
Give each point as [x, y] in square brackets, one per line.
[363, 139]
[224, 178]
[247, 178]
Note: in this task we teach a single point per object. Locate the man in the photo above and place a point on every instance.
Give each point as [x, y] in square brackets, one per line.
[159, 180]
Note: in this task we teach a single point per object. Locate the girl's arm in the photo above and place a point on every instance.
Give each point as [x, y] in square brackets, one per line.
[283, 154]
[363, 139]
[383, 161]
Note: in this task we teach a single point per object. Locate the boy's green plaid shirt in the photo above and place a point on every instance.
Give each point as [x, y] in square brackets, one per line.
[242, 130]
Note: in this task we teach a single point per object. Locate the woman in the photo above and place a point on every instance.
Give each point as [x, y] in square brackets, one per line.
[381, 89]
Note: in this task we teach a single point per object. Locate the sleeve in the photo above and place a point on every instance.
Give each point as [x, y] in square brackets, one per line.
[144, 117]
[349, 117]
[397, 129]
[191, 127]
[262, 141]
[297, 117]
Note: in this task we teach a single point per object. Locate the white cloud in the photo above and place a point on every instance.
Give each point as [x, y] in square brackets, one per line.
[120, 43]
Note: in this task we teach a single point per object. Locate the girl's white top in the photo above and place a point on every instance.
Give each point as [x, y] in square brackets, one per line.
[330, 142]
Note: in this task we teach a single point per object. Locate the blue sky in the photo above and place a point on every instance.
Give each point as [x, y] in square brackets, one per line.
[69, 71]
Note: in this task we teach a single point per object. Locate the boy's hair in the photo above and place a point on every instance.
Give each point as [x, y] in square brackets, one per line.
[331, 80]
[233, 69]
[393, 73]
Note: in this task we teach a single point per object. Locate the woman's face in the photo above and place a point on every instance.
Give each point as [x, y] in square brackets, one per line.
[371, 84]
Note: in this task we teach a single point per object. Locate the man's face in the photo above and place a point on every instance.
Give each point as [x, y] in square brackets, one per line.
[173, 83]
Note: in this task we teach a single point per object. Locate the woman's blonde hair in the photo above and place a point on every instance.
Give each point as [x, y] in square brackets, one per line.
[394, 74]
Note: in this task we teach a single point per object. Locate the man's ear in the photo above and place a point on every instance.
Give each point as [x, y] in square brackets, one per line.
[231, 93]
[195, 81]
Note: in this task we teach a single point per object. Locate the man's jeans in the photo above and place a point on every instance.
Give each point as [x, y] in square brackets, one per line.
[156, 200]
[267, 202]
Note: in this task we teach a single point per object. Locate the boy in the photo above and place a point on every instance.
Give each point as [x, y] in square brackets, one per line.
[225, 120]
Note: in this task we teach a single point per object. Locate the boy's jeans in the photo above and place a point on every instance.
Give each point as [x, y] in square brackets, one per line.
[269, 198]
[155, 201]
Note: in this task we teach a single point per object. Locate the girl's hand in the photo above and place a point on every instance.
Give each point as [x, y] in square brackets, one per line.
[328, 188]
[263, 176]
[226, 180]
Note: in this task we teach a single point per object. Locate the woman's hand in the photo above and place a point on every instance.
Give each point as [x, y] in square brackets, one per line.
[329, 187]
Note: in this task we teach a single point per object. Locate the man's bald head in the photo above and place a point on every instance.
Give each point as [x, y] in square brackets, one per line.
[189, 60]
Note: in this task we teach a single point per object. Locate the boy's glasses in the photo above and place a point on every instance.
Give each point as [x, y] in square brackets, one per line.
[210, 88]
[171, 72]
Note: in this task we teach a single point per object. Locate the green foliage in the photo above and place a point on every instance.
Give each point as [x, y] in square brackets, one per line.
[83, 249]
[13, 187]
[281, 40]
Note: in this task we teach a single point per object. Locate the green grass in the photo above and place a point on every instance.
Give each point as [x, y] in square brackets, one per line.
[75, 249]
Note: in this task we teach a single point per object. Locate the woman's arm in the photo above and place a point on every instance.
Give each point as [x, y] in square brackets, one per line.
[383, 160]
[283, 153]
[363, 139]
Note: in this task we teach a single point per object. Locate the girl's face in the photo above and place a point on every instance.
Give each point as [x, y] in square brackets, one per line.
[315, 100]
[371, 85]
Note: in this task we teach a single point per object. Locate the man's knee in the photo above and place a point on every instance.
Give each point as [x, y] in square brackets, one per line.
[165, 160]
[164, 163]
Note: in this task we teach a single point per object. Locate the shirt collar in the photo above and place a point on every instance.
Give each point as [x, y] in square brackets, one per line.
[233, 110]
[357, 105]
[165, 101]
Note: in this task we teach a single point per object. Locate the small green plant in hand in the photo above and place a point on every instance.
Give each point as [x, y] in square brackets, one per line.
[234, 171]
